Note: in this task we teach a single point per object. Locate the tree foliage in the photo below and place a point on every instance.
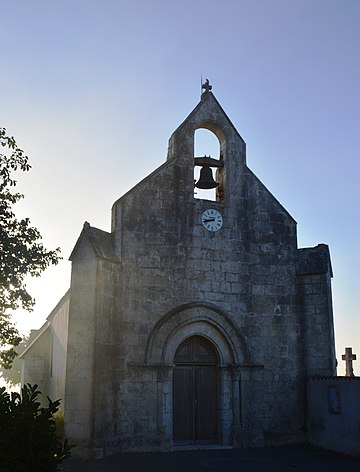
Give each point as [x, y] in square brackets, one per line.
[21, 250]
[28, 437]
[12, 376]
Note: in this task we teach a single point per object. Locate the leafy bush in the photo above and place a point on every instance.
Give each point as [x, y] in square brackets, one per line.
[28, 439]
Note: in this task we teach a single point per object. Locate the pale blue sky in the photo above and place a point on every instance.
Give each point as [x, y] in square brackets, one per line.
[92, 90]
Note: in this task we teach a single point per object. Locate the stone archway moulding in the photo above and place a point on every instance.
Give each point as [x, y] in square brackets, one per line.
[214, 127]
[196, 318]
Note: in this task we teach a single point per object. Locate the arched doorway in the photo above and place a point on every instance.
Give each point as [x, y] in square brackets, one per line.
[195, 379]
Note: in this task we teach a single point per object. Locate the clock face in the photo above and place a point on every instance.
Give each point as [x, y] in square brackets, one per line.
[212, 220]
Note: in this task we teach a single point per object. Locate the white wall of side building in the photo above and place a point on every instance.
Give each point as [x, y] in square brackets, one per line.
[44, 359]
[59, 337]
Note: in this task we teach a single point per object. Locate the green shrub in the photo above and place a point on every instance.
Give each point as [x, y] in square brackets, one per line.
[28, 437]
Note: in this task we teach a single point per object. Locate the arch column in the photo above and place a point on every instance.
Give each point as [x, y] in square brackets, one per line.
[164, 401]
[236, 405]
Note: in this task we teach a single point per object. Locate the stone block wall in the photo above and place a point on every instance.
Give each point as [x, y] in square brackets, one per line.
[333, 413]
[247, 270]
[315, 305]
[80, 378]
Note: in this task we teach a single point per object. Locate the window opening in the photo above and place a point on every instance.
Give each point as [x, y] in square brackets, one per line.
[207, 145]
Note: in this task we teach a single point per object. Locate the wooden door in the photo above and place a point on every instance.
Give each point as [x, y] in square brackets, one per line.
[195, 392]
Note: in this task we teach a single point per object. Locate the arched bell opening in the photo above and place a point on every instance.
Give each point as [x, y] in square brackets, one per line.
[195, 392]
[208, 164]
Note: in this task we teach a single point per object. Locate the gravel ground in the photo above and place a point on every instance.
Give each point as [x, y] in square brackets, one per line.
[299, 458]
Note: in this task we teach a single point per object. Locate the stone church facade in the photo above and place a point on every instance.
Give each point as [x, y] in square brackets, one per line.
[193, 321]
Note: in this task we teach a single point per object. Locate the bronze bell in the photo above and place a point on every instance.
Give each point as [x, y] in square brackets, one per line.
[206, 179]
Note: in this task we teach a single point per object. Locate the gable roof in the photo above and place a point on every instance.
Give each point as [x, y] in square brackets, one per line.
[38, 333]
[207, 103]
[101, 242]
[208, 100]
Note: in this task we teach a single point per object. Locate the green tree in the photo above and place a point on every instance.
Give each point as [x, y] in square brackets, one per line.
[21, 250]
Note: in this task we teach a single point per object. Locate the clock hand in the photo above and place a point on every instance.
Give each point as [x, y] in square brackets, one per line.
[208, 220]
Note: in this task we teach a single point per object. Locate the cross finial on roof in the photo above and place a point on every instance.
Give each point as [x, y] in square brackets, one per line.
[348, 357]
[206, 86]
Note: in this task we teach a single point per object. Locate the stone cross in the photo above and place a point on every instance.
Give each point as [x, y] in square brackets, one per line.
[348, 357]
[206, 86]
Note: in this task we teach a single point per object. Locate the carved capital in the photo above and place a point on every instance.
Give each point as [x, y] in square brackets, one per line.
[164, 372]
